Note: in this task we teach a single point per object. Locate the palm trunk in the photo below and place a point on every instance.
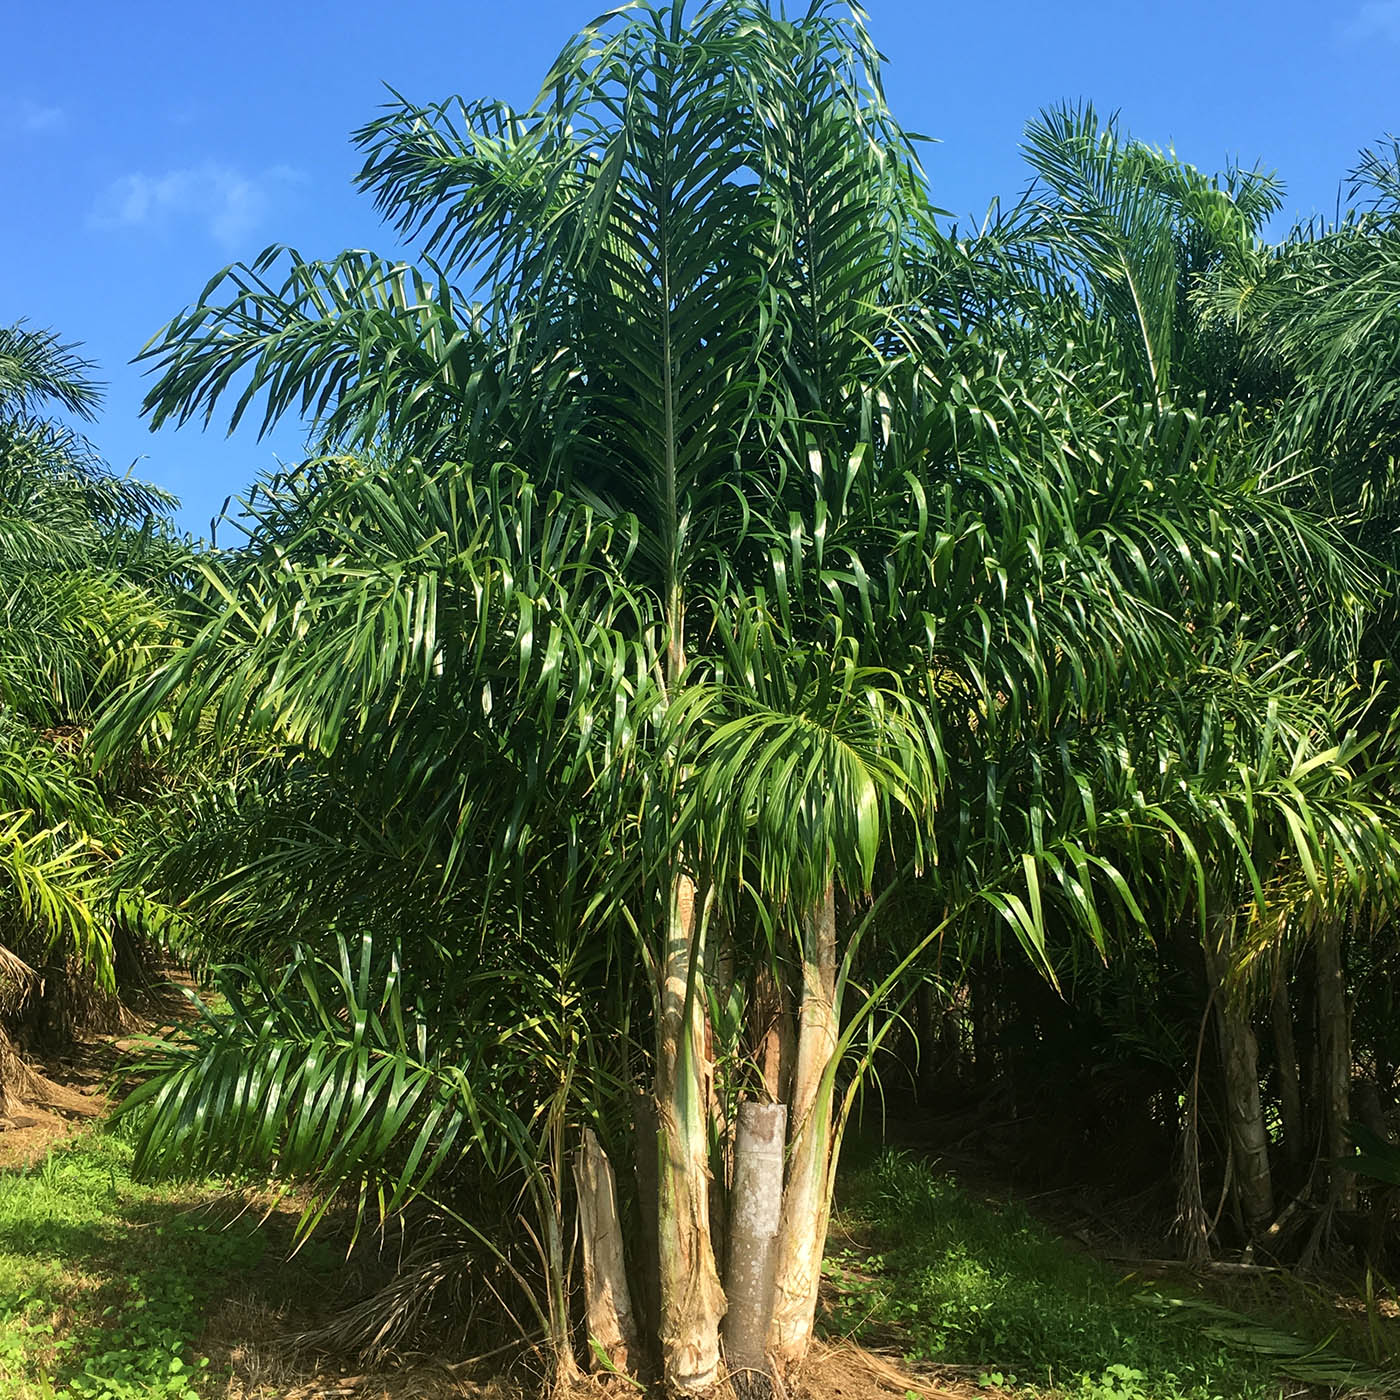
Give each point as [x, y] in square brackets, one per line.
[1334, 1052]
[719, 971]
[1192, 1222]
[984, 1029]
[1290, 1091]
[807, 1196]
[1249, 1137]
[921, 1071]
[692, 1301]
[1309, 1058]
[953, 1018]
[778, 1042]
[646, 1255]
[611, 1328]
[755, 1216]
[547, 1186]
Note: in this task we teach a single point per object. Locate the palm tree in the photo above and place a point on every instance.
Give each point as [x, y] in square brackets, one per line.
[669, 284]
[1119, 246]
[84, 558]
[1322, 307]
[1320, 311]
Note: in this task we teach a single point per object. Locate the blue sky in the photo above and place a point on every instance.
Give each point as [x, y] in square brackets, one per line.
[145, 145]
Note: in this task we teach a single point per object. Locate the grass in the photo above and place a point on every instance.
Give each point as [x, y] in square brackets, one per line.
[106, 1285]
[957, 1281]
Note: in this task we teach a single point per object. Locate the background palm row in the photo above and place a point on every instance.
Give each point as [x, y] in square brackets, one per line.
[722, 610]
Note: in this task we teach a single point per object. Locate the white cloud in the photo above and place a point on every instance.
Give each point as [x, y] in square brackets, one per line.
[29, 116]
[1376, 19]
[228, 203]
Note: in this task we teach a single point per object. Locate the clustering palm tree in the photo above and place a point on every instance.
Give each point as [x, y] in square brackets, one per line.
[1144, 244]
[714, 587]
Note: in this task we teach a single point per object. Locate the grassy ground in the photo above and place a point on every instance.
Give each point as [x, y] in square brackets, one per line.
[110, 1290]
[924, 1268]
[107, 1287]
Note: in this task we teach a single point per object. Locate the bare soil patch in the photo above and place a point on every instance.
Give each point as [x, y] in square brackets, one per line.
[49, 1116]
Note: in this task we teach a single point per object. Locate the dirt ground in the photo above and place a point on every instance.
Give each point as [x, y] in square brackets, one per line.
[71, 1093]
[833, 1372]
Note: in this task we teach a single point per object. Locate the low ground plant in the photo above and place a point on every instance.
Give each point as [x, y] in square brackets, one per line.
[106, 1285]
[955, 1279]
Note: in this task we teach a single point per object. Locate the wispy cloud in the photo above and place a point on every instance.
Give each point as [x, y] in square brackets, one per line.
[27, 115]
[228, 203]
[1376, 19]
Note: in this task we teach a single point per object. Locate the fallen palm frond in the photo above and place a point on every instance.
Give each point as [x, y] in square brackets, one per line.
[1313, 1363]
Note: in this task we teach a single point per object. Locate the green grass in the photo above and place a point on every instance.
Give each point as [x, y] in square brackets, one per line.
[958, 1281]
[106, 1285]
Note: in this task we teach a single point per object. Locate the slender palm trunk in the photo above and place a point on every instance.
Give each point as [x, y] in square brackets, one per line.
[807, 1196]
[777, 1045]
[1248, 1135]
[1334, 1054]
[1192, 1222]
[1239, 1057]
[646, 1253]
[692, 1300]
[1290, 1090]
[719, 973]
[921, 1071]
[547, 1186]
[1309, 1057]
[755, 1216]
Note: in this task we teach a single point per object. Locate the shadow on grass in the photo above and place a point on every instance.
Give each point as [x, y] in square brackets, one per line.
[107, 1285]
